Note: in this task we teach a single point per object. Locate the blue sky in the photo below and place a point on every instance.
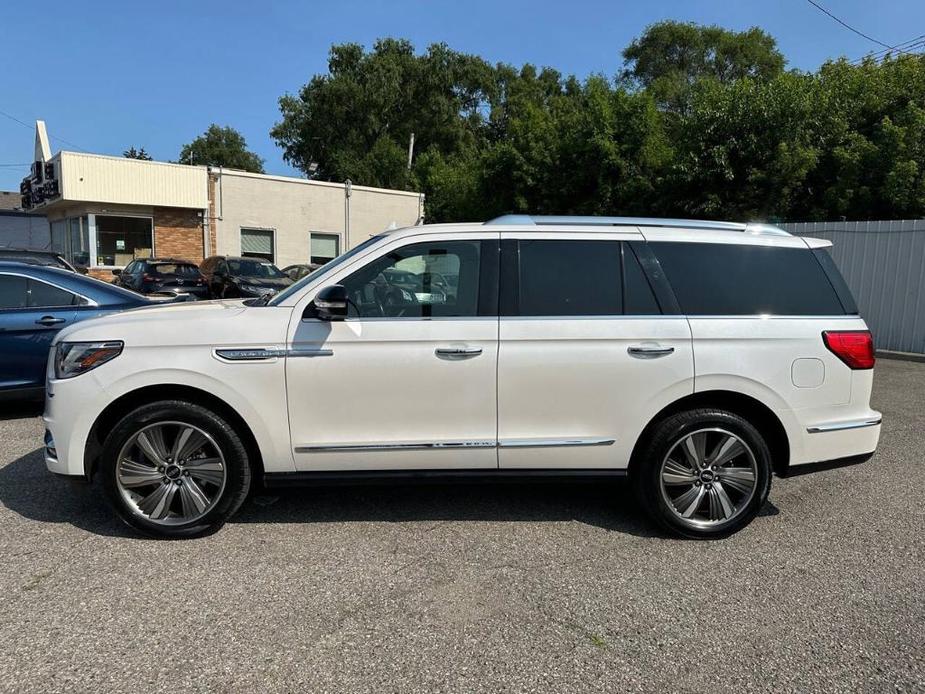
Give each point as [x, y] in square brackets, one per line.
[107, 75]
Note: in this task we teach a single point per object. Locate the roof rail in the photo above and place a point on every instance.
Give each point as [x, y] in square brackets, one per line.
[565, 220]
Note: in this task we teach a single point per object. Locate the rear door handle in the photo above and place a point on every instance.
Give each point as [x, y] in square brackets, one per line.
[49, 320]
[458, 352]
[649, 350]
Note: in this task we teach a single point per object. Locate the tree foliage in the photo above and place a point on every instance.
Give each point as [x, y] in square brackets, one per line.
[132, 153]
[220, 146]
[671, 57]
[701, 122]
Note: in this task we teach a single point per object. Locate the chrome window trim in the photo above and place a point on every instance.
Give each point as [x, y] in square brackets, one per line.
[88, 300]
[419, 319]
[772, 316]
[843, 426]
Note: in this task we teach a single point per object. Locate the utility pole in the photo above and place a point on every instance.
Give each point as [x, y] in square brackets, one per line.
[410, 150]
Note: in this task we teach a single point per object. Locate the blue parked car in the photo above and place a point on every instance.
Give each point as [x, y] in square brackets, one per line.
[35, 303]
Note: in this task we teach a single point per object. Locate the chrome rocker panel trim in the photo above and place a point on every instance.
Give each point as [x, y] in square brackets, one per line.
[431, 445]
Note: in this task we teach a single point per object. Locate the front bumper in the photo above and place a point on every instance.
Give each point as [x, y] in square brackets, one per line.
[70, 409]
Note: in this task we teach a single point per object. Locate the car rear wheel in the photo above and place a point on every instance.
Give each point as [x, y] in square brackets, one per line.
[175, 469]
[704, 473]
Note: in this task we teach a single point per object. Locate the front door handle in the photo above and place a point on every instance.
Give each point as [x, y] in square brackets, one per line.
[649, 350]
[458, 352]
[49, 320]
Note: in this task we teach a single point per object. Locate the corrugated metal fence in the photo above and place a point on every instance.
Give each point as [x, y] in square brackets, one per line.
[884, 264]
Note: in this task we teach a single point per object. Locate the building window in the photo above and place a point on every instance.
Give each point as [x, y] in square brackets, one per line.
[119, 240]
[257, 243]
[78, 241]
[324, 248]
[71, 238]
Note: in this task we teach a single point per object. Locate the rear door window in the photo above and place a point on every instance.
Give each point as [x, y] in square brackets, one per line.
[570, 278]
[42, 295]
[638, 297]
[717, 279]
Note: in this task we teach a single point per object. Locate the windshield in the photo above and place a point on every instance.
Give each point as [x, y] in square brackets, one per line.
[254, 268]
[330, 265]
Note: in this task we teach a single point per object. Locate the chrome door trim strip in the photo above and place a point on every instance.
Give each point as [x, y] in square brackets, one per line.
[842, 426]
[264, 353]
[296, 352]
[249, 354]
[554, 443]
[409, 446]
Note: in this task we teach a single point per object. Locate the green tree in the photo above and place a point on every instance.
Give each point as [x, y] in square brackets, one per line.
[220, 146]
[703, 122]
[132, 153]
[356, 122]
[671, 57]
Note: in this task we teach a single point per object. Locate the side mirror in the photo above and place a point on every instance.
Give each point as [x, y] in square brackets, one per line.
[117, 272]
[330, 303]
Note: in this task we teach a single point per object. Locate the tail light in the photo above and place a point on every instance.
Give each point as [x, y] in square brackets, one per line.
[854, 347]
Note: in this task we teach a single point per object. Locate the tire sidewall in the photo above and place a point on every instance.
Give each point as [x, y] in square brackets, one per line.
[672, 430]
[237, 468]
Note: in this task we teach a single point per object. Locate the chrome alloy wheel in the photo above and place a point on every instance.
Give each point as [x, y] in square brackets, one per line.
[708, 477]
[171, 473]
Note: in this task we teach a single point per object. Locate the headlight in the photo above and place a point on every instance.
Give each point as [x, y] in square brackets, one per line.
[75, 358]
[259, 291]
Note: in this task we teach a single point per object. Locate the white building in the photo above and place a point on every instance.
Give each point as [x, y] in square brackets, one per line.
[293, 220]
[105, 211]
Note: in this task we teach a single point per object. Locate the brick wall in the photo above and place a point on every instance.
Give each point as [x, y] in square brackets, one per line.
[178, 233]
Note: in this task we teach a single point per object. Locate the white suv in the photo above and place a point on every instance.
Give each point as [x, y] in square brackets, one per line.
[697, 358]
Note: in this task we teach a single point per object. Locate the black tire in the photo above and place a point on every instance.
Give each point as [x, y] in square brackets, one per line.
[646, 472]
[236, 465]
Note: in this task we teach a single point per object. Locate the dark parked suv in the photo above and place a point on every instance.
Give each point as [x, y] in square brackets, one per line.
[158, 275]
[229, 277]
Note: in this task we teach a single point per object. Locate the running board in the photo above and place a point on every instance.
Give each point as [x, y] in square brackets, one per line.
[486, 476]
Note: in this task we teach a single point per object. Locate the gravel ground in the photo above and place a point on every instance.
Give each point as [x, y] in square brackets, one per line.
[465, 588]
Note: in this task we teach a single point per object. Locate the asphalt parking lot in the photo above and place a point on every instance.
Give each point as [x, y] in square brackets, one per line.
[547, 588]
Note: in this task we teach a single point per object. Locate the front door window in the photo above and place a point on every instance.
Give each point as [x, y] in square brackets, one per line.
[423, 280]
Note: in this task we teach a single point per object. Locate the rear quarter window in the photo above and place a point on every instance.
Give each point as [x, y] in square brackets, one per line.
[732, 280]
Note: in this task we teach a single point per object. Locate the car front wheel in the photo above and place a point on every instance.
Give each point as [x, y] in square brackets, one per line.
[175, 469]
[704, 473]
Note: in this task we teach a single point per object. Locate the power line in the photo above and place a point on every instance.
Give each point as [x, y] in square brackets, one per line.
[904, 47]
[847, 26]
[14, 118]
[54, 137]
